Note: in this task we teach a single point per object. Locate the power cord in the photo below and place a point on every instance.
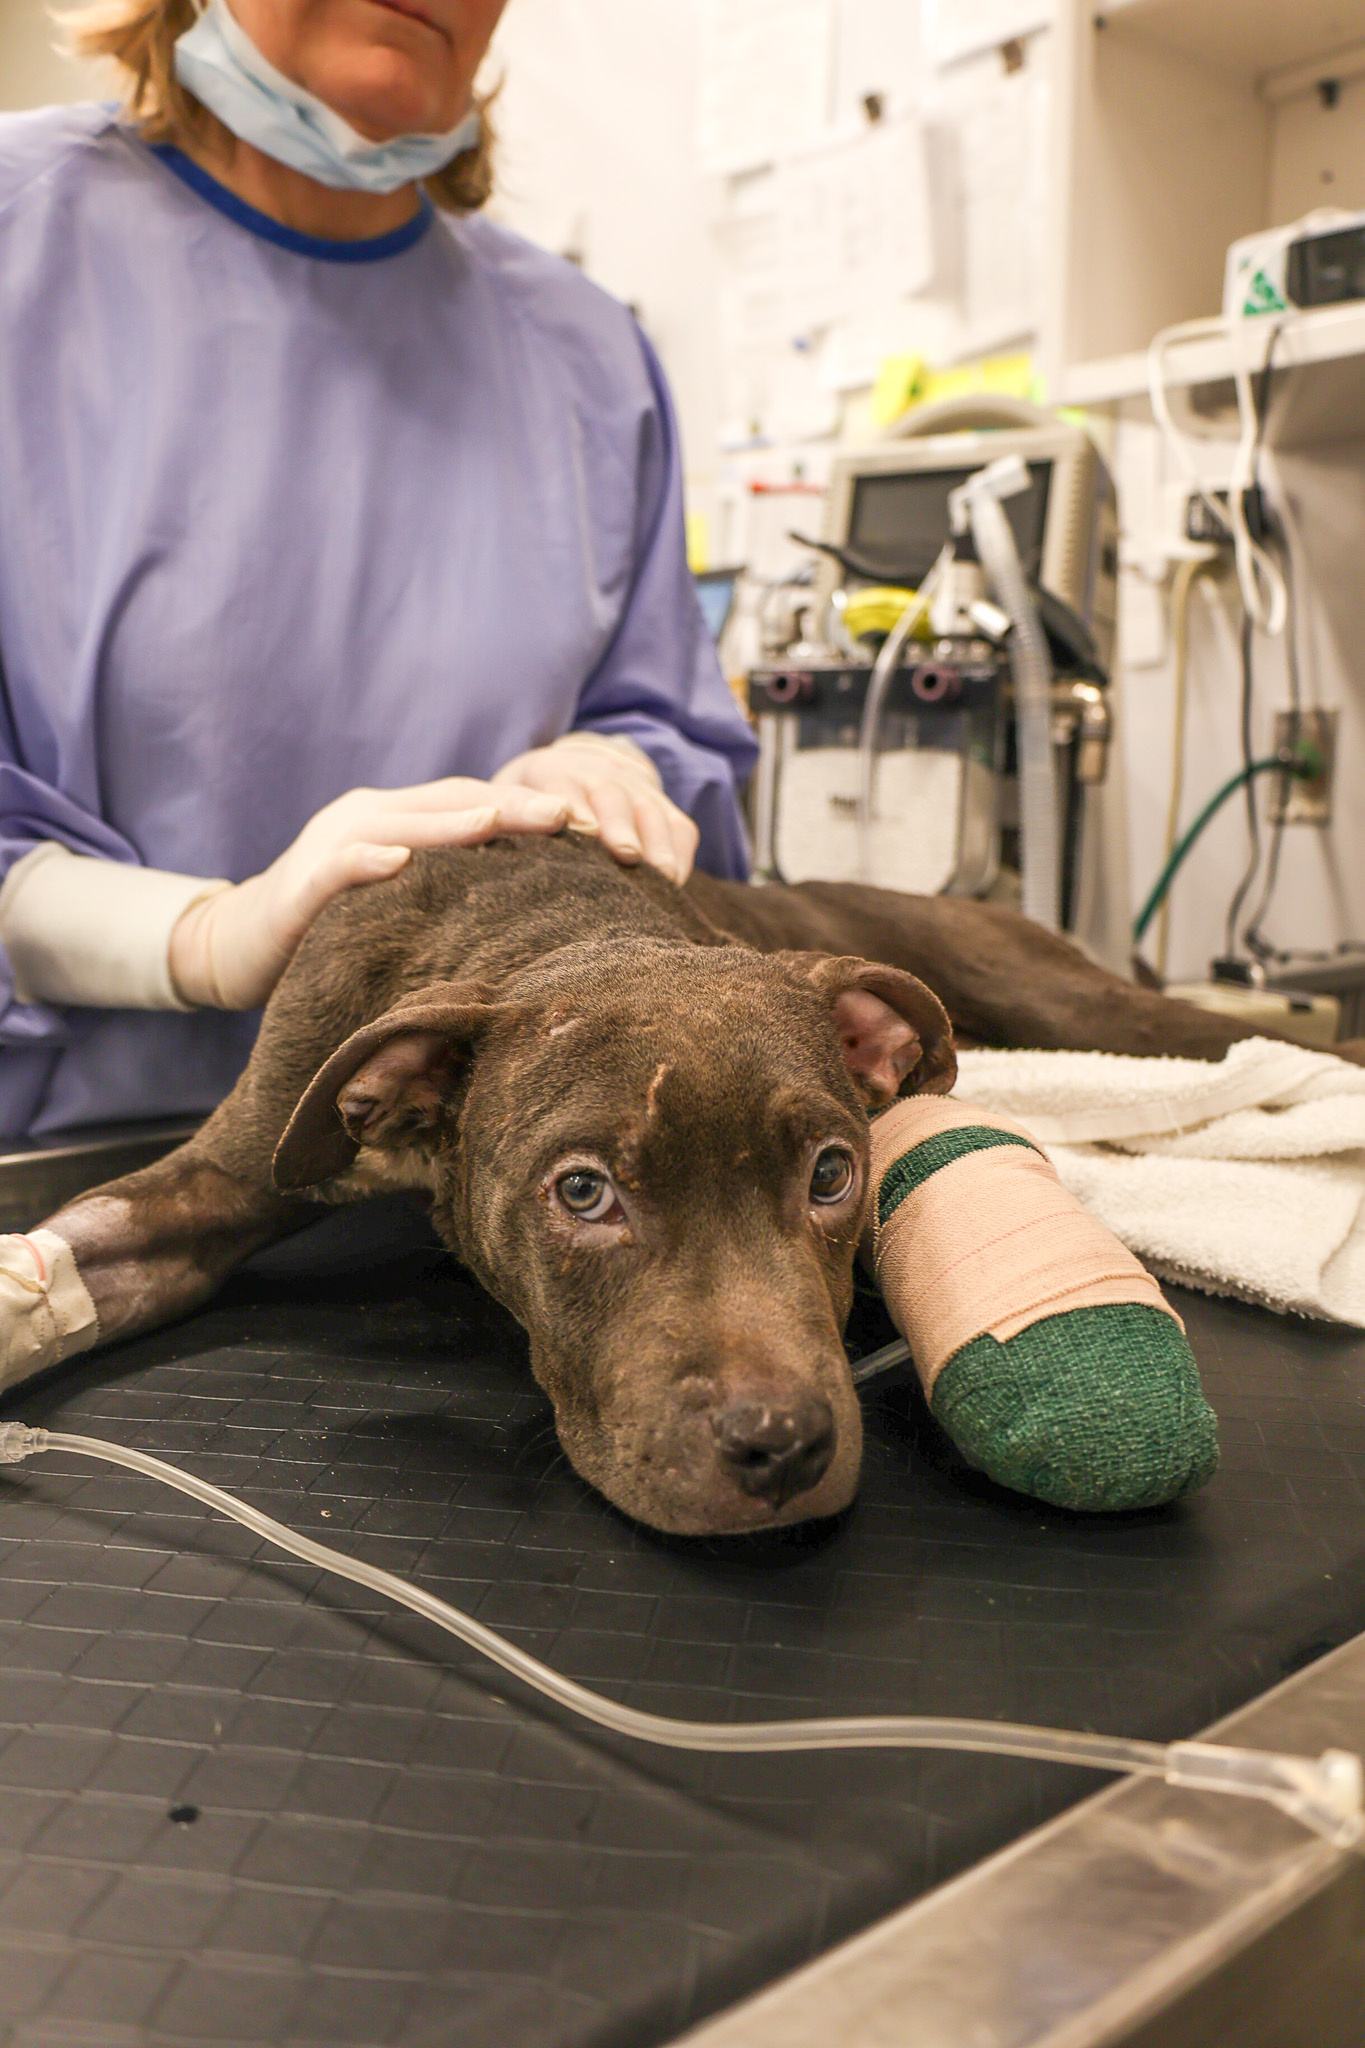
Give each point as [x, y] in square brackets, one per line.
[1304, 762]
[1253, 938]
[1258, 574]
[1267, 533]
[1267, 604]
[1186, 577]
[1248, 780]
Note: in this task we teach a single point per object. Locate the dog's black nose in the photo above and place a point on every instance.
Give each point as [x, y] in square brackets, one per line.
[777, 1450]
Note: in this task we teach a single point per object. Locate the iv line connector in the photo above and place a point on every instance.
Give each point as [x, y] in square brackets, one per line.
[18, 1441]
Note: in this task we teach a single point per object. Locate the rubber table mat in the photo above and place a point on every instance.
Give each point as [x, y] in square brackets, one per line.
[243, 1803]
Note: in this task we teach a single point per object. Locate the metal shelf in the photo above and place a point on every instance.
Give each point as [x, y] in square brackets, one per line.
[1319, 365]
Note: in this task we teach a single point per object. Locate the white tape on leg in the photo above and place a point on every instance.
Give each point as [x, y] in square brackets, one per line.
[46, 1313]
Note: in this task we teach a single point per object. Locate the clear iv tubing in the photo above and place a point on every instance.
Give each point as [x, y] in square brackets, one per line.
[877, 1362]
[880, 682]
[1324, 1794]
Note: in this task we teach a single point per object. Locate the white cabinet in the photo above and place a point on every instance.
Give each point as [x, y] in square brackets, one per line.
[1182, 125]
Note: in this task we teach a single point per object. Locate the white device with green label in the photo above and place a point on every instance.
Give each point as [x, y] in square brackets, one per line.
[1317, 261]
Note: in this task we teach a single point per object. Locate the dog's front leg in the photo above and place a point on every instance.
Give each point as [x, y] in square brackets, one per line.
[129, 1255]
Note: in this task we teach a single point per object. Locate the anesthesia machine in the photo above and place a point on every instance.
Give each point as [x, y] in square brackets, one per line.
[933, 705]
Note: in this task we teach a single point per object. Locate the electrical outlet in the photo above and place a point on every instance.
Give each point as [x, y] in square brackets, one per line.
[1293, 800]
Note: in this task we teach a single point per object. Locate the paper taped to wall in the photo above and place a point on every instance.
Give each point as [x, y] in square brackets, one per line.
[765, 79]
[856, 220]
[959, 28]
[1002, 129]
[749, 242]
[826, 234]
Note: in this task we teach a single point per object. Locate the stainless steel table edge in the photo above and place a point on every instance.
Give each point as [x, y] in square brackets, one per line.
[38, 1175]
[1087, 1927]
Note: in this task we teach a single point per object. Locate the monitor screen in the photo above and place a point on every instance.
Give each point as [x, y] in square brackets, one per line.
[898, 522]
[716, 594]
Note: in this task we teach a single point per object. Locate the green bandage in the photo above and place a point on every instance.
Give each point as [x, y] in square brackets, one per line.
[1047, 1352]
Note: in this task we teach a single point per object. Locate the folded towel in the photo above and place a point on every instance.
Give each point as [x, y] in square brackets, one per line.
[1244, 1177]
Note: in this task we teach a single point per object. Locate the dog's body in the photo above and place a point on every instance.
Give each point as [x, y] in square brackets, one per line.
[640, 1114]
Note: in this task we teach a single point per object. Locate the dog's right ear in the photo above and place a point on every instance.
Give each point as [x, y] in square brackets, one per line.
[390, 1085]
[895, 1033]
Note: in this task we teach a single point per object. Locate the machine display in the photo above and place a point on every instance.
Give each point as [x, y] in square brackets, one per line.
[897, 518]
[943, 813]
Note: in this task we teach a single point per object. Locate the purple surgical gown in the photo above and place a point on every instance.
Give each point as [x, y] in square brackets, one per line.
[281, 517]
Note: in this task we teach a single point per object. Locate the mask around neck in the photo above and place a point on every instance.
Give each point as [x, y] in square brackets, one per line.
[218, 62]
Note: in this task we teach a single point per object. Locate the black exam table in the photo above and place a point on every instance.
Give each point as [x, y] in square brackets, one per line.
[241, 1803]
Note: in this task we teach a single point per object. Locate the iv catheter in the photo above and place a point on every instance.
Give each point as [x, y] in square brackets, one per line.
[1327, 1794]
[875, 1364]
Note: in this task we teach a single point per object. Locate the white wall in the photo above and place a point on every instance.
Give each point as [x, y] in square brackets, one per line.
[32, 72]
[596, 123]
[599, 120]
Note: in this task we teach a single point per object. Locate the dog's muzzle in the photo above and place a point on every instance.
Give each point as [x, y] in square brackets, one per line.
[775, 1451]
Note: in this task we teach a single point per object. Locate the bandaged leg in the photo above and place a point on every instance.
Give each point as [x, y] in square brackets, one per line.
[1048, 1354]
[46, 1313]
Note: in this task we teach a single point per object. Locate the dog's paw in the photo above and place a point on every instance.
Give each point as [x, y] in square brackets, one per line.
[1097, 1409]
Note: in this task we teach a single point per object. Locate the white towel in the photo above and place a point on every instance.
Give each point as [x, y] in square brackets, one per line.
[1244, 1177]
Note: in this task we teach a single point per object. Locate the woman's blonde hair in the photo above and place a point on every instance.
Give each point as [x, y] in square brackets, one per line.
[139, 36]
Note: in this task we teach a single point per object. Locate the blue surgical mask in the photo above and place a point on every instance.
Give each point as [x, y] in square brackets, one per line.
[218, 62]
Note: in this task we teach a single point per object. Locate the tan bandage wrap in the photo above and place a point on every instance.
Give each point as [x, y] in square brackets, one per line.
[988, 1242]
[96, 933]
[46, 1313]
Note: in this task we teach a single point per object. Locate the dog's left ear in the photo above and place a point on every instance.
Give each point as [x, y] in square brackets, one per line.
[895, 1032]
[388, 1086]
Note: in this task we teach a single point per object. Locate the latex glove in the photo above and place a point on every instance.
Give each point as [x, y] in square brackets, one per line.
[614, 789]
[229, 949]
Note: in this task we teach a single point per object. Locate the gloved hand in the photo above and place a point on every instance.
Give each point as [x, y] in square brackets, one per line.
[614, 789]
[229, 948]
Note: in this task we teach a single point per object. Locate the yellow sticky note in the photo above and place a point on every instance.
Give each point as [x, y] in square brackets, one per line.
[1011, 376]
[900, 381]
[698, 542]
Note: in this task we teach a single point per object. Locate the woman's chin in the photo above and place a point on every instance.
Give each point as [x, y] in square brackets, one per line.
[386, 92]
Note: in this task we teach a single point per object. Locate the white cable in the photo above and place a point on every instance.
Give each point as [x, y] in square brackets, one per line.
[1257, 571]
[1326, 1794]
[883, 671]
[1262, 585]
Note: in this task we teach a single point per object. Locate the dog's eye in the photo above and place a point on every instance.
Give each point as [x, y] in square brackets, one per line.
[586, 1194]
[832, 1177]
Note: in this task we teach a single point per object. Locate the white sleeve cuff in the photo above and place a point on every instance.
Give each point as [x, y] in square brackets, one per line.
[95, 933]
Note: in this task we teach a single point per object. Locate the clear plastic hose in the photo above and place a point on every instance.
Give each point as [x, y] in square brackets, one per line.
[877, 1362]
[1032, 665]
[1324, 1794]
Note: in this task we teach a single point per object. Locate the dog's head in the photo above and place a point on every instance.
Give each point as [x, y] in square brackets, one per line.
[656, 1156]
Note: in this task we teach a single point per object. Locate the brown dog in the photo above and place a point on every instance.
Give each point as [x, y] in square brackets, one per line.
[641, 1117]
